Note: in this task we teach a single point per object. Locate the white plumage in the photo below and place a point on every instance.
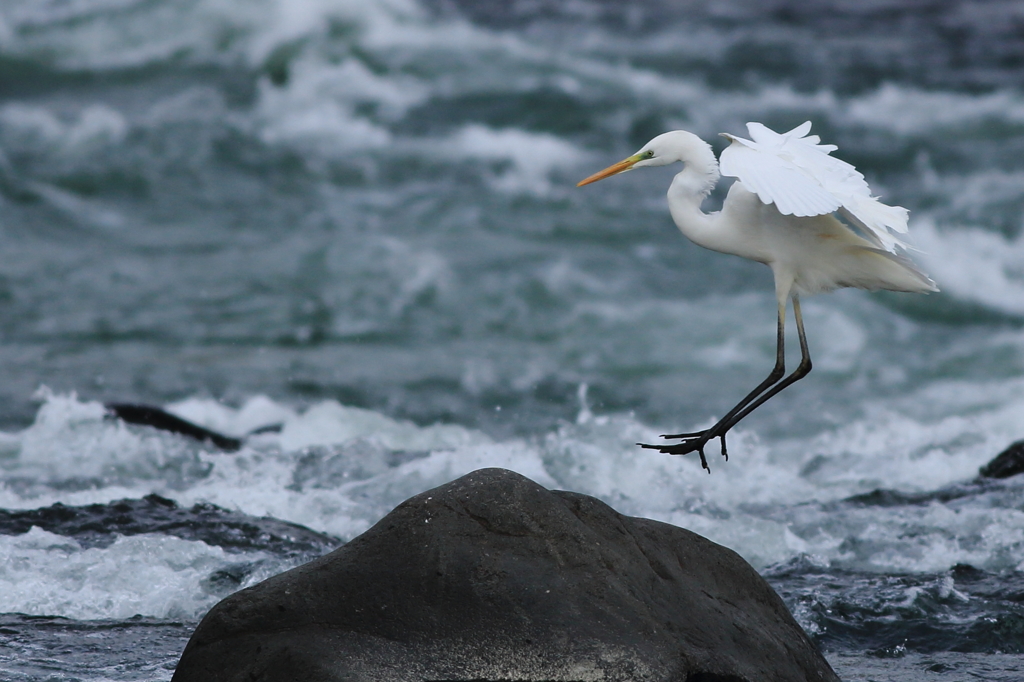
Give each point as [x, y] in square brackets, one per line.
[783, 211]
[797, 174]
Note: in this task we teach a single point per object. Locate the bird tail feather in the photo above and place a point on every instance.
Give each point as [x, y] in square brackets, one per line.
[905, 276]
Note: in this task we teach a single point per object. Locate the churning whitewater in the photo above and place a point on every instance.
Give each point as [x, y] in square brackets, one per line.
[358, 222]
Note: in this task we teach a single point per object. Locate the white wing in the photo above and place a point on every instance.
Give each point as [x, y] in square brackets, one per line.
[797, 174]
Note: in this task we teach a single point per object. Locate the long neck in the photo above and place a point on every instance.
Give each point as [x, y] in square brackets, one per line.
[687, 192]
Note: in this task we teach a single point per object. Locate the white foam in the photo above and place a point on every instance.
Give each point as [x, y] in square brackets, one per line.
[355, 67]
[315, 110]
[330, 423]
[532, 156]
[347, 448]
[70, 441]
[286, 22]
[36, 128]
[600, 457]
[333, 469]
[148, 575]
[424, 55]
[912, 111]
[127, 33]
[30, 125]
[256, 412]
[974, 264]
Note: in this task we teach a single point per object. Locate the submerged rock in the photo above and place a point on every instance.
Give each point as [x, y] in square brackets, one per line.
[100, 525]
[492, 577]
[1009, 462]
[158, 418]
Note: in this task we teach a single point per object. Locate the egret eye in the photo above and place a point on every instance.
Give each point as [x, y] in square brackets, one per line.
[649, 154]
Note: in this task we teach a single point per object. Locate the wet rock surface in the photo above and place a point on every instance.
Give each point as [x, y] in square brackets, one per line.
[99, 525]
[1009, 462]
[493, 577]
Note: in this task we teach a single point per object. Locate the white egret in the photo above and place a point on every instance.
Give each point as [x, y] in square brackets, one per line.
[782, 212]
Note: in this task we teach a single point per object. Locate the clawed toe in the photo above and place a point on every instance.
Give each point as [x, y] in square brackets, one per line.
[676, 436]
[686, 447]
[691, 442]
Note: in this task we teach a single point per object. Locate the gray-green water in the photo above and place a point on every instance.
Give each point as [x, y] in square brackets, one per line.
[360, 219]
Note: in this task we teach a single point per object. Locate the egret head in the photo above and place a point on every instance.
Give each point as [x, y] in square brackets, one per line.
[664, 149]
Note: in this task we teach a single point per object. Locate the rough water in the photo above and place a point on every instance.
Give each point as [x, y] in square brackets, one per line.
[359, 221]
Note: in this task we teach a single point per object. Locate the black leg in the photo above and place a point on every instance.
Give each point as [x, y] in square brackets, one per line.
[802, 370]
[771, 386]
[776, 374]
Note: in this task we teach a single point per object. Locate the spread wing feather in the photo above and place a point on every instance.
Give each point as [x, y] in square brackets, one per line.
[794, 172]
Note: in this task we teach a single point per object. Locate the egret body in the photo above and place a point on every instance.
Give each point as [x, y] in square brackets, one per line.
[782, 211]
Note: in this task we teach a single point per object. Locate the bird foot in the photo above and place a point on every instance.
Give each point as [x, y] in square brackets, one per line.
[691, 442]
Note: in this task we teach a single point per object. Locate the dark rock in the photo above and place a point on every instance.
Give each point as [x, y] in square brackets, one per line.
[492, 577]
[99, 525]
[148, 415]
[1009, 462]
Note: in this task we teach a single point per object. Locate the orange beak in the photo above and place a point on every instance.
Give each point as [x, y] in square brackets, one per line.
[614, 169]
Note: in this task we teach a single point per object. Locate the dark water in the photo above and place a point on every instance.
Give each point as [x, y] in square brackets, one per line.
[360, 220]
